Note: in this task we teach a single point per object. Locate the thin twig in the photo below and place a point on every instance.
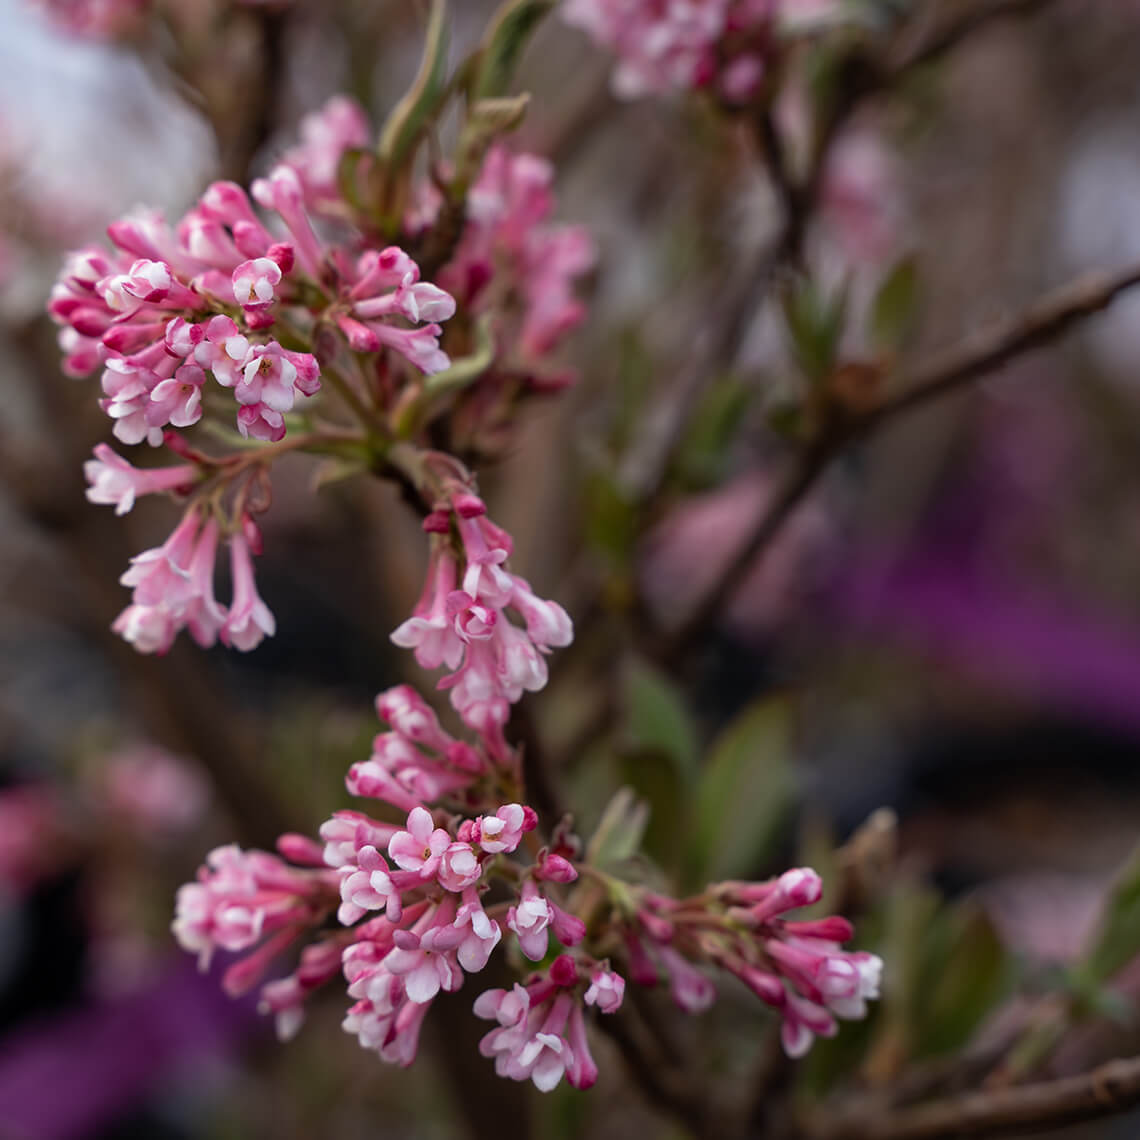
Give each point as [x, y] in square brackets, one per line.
[979, 355]
[998, 343]
[1109, 1089]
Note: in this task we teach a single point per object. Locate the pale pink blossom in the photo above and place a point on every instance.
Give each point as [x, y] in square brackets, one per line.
[254, 281]
[425, 956]
[504, 830]
[117, 483]
[606, 990]
[530, 920]
[481, 933]
[249, 619]
[459, 867]
[368, 886]
[347, 832]
[420, 848]
[241, 896]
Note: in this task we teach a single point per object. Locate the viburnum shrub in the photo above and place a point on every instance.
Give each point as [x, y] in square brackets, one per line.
[354, 304]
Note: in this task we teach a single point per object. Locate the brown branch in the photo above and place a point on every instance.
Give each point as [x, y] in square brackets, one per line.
[664, 1086]
[947, 37]
[1109, 1089]
[979, 355]
[998, 343]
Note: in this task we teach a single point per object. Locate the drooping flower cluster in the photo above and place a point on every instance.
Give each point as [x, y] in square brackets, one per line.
[679, 45]
[462, 622]
[797, 967]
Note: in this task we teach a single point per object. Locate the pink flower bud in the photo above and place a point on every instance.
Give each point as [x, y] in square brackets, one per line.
[564, 971]
[301, 849]
[555, 869]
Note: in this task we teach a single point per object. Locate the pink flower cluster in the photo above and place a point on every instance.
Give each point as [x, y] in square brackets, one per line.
[510, 259]
[409, 902]
[462, 622]
[510, 252]
[541, 1033]
[797, 967]
[680, 45]
[170, 306]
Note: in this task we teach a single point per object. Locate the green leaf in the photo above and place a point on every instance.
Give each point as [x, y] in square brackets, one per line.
[815, 323]
[666, 790]
[462, 374]
[744, 794]
[503, 44]
[909, 916]
[967, 972]
[412, 114]
[702, 459]
[619, 832]
[486, 121]
[357, 177]
[895, 306]
[467, 369]
[658, 718]
[610, 518]
[1117, 940]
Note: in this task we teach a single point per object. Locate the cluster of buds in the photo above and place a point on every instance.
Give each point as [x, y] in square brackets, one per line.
[797, 967]
[724, 46]
[461, 620]
[513, 262]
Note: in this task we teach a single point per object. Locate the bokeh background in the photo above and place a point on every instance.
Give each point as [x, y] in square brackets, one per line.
[948, 628]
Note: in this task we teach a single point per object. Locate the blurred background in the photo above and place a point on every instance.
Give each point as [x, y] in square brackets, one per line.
[948, 627]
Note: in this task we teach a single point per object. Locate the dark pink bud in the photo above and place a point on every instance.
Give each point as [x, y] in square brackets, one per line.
[831, 929]
[468, 506]
[658, 928]
[569, 929]
[259, 319]
[564, 971]
[90, 322]
[301, 849]
[359, 336]
[282, 253]
[320, 963]
[641, 968]
[438, 522]
[555, 869]
[250, 240]
[767, 987]
[530, 818]
[252, 534]
[406, 940]
[130, 338]
[468, 831]
[461, 755]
